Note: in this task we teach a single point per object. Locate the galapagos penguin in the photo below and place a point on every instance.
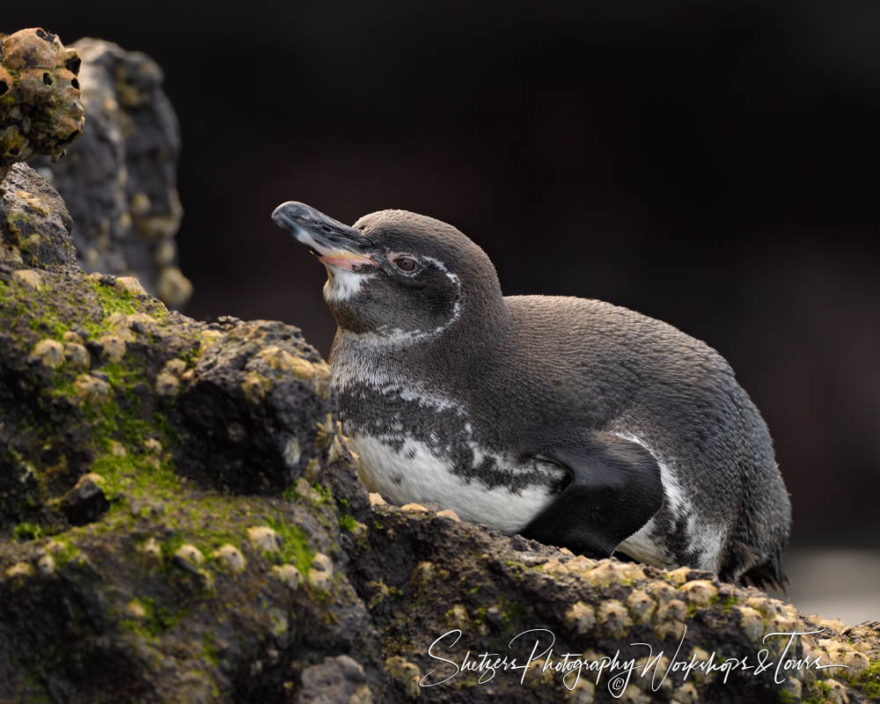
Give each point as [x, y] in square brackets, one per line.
[571, 421]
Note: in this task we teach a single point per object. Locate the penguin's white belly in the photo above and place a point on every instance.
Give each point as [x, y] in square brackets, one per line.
[416, 474]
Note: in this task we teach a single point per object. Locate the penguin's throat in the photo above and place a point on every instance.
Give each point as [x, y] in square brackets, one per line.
[363, 322]
[345, 284]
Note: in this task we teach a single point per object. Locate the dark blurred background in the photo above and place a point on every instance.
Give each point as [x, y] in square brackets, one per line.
[711, 164]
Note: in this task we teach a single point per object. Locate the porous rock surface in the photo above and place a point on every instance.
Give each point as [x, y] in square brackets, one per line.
[40, 110]
[180, 521]
[119, 179]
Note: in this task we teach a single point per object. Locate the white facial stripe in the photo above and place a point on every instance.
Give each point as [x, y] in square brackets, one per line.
[440, 265]
[427, 478]
[397, 337]
[456, 309]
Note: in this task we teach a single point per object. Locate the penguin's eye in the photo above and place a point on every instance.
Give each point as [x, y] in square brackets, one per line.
[406, 264]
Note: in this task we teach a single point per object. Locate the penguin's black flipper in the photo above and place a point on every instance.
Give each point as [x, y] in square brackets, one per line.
[615, 489]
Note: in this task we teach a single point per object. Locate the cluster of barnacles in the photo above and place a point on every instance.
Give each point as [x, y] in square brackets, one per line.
[40, 107]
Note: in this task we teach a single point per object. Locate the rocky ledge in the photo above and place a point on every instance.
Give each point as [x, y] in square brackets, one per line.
[180, 520]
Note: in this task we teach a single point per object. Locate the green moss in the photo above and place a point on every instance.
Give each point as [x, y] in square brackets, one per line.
[319, 496]
[191, 356]
[817, 699]
[786, 697]
[325, 492]
[113, 300]
[117, 375]
[172, 545]
[208, 541]
[209, 648]
[187, 520]
[294, 546]
[727, 603]
[131, 427]
[348, 522]
[124, 419]
[869, 681]
[27, 531]
[67, 552]
[159, 618]
[21, 303]
[510, 612]
[47, 324]
[62, 387]
[133, 475]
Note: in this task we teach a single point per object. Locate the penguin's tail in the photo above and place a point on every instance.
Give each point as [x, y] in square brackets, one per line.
[768, 575]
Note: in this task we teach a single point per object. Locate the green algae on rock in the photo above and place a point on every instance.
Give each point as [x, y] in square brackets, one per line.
[125, 562]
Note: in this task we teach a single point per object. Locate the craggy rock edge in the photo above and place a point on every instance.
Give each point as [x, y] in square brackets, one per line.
[40, 110]
[181, 522]
[119, 178]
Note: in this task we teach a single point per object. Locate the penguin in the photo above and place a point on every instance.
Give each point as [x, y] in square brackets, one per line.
[570, 421]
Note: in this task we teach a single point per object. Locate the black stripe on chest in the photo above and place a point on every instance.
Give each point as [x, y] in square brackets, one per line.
[448, 431]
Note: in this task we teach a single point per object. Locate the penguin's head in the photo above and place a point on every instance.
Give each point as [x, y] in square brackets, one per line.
[395, 275]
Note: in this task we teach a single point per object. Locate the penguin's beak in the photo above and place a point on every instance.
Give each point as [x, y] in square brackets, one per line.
[335, 244]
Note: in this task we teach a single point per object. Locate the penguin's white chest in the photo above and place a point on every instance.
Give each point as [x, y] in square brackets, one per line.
[411, 472]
